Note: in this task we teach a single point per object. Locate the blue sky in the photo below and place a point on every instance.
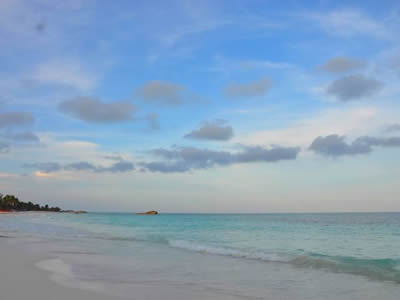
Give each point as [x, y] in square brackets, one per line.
[201, 106]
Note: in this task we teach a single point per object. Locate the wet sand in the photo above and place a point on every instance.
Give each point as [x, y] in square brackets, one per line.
[21, 279]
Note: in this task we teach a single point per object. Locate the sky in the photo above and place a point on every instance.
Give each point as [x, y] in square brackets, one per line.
[201, 106]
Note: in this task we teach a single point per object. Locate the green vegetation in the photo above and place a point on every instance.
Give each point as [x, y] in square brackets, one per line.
[10, 202]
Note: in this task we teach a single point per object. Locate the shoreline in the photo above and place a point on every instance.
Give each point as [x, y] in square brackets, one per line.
[34, 276]
[24, 280]
[71, 259]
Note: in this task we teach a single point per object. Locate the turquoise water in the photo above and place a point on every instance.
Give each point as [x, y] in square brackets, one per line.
[363, 245]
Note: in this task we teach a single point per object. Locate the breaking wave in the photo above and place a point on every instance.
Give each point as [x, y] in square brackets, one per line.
[376, 269]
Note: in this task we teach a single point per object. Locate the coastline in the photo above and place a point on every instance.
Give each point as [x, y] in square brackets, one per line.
[70, 256]
[21, 279]
[34, 276]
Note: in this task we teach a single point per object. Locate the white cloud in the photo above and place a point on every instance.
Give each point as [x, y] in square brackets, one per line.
[350, 23]
[341, 64]
[41, 174]
[66, 156]
[350, 122]
[256, 88]
[52, 148]
[227, 66]
[63, 76]
[189, 18]
[264, 64]
[65, 72]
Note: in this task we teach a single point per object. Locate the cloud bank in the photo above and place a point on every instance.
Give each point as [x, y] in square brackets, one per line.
[190, 158]
[335, 145]
[50, 167]
[45, 167]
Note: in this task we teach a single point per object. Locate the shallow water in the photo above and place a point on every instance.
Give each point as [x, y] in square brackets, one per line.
[259, 256]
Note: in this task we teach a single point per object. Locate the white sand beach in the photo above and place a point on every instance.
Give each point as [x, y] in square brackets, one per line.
[25, 275]
[21, 279]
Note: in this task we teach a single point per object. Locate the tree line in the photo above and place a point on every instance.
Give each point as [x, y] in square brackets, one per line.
[12, 203]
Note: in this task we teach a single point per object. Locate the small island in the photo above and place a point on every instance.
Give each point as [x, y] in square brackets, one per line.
[150, 212]
[74, 211]
[10, 203]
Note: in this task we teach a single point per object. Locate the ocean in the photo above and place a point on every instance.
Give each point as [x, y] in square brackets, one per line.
[219, 256]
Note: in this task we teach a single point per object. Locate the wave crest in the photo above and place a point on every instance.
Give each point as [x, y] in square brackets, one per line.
[376, 269]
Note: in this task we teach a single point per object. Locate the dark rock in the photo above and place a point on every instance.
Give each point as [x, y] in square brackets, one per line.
[150, 212]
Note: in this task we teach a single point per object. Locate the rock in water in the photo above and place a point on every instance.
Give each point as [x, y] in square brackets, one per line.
[150, 212]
